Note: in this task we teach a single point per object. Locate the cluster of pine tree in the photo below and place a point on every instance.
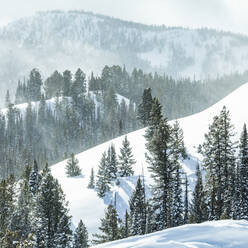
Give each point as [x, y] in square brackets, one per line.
[35, 213]
[76, 121]
[181, 96]
[222, 195]
[110, 167]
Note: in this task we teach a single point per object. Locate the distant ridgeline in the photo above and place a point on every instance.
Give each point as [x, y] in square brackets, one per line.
[75, 118]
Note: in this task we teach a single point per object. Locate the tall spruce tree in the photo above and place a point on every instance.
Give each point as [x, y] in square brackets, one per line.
[137, 205]
[51, 221]
[126, 160]
[198, 207]
[242, 177]
[186, 202]
[80, 237]
[144, 109]
[219, 162]
[177, 205]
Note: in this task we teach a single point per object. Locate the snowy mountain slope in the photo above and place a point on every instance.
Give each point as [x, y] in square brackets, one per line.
[61, 40]
[195, 126]
[85, 204]
[215, 234]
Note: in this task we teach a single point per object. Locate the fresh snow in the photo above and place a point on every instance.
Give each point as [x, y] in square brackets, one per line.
[84, 203]
[215, 234]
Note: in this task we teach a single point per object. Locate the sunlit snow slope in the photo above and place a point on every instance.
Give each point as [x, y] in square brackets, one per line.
[219, 234]
[85, 204]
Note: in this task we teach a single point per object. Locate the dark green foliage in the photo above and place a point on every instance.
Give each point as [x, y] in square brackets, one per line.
[126, 160]
[72, 168]
[112, 163]
[137, 206]
[219, 162]
[103, 180]
[80, 237]
[51, 221]
[110, 227]
[241, 189]
[144, 109]
[198, 207]
[34, 179]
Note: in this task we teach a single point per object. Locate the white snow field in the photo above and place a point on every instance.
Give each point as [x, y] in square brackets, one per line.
[215, 234]
[86, 205]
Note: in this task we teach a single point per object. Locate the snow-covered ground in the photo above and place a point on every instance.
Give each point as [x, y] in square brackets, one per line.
[215, 234]
[84, 203]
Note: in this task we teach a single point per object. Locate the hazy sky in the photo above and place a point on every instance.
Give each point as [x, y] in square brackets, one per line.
[220, 14]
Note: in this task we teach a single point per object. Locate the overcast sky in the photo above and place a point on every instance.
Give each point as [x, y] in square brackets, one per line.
[220, 14]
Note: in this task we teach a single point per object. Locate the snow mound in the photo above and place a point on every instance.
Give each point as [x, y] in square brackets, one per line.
[215, 234]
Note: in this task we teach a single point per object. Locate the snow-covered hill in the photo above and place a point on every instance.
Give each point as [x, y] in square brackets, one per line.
[61, 40]
[85, 204]
[215, 234]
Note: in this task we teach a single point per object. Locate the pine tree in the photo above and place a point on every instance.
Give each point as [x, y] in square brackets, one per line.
[177, 207]
[144, 109]
[80, 237]
[110, 227]
[34, 85]
[137, 206]
[186, 202]
[126, 160]
[34, 179]
[112, 163]
[198, 207]
[72, 168]
[103, 180]
[242, 177]
[91, 184]
[51, 221]
[21, 217]
[7, 200]
[219, 161]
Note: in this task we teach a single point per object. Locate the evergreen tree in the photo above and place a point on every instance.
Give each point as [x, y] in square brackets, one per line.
[91, 184]
[67, 82]
[51, 220]
[34, 85]
[137, 206]
[21, 217]
[34, 179]
[177, 207]
[126, 160]
[72, 168]
[103, 180]
[112, 163]
[242, 176]
[110, 227]
[186, 202]
[80, 237]
[219, 161]
[144, 109]
[7, 200]
[198, 207]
